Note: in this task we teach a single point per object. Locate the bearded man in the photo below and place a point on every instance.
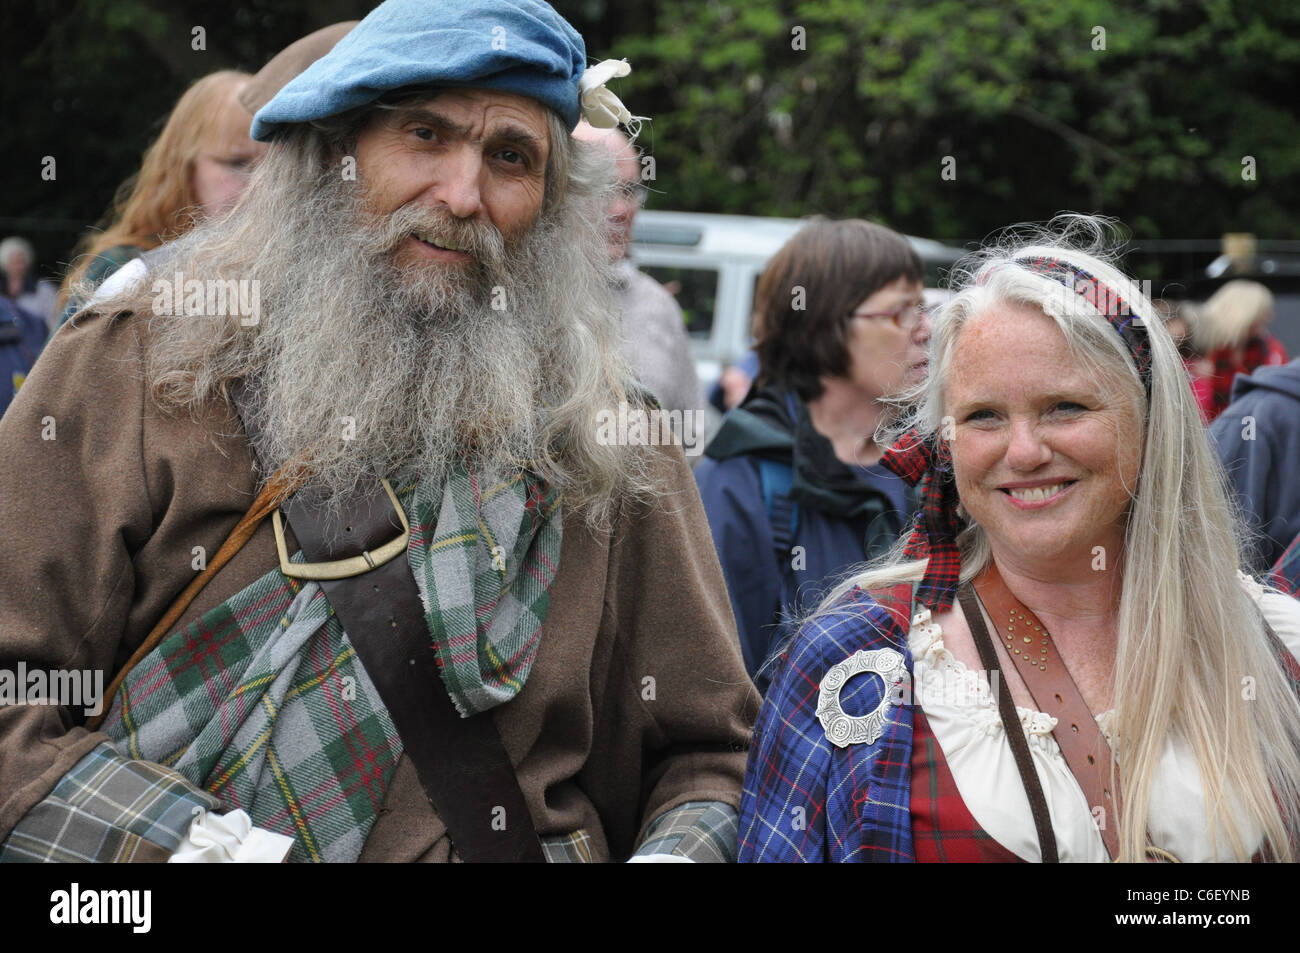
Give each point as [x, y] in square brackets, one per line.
[413, 347]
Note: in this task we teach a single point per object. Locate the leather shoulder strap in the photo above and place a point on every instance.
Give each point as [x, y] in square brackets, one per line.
[281, 483]
[1011, 723]
[1290, 666]
[461, 762]
[1035, 659]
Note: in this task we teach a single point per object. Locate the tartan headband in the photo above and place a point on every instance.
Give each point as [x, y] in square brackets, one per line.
[926, 460]
[1126, 322]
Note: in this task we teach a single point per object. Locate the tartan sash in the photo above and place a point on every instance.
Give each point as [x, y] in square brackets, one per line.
[484, 560]
[806, 800]
[943, 828]
[263, 702]
[927, 460]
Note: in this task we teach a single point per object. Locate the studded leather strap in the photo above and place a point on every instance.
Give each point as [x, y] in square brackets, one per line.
[1039, 665]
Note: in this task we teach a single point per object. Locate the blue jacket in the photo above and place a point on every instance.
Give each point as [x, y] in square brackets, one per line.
[1258, 439]
[22, 336]
[839, 520]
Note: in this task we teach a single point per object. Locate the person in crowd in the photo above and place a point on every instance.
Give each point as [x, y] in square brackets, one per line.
[792, 482]
[1233, 331]
[196, 170]
[22, 336]
[1258, 439]
[733, 384]
[1063, 656]
[470, 628]
[289, 62]
[255, 94]
[654, 338]
[1182, 320]
[36, 296]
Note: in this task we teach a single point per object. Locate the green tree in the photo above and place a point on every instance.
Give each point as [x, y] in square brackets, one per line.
[847, 107]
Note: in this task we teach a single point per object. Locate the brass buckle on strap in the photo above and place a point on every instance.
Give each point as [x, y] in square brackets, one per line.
[343, 568]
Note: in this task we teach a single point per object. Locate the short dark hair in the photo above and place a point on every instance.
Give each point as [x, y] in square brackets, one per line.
[838, 265]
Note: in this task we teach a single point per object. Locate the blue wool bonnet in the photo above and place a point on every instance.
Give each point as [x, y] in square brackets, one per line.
[513, 46]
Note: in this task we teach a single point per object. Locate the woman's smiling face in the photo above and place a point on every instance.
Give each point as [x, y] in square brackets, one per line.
[1046, 458]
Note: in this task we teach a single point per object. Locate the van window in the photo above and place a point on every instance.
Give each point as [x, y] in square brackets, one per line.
[696, 291]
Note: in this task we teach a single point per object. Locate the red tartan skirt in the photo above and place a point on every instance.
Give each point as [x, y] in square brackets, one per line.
[943, 830]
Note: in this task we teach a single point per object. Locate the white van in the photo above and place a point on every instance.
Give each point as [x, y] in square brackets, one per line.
[712, 262]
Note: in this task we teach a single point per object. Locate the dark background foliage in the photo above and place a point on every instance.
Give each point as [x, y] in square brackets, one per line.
[1152, 129]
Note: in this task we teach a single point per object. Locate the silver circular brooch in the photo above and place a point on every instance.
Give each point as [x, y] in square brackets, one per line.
[842, 729]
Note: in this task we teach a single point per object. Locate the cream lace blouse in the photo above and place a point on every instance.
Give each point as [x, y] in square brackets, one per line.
[963, 714]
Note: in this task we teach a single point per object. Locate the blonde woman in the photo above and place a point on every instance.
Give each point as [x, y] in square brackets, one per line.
[197, 169]
[1234, 332]
[1062, 662]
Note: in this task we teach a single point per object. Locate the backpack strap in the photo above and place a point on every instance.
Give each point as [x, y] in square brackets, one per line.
[777, 478]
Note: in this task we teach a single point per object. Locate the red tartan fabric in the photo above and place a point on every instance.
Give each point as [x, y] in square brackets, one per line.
[1256, 353]
[943, 829]
[918, 459]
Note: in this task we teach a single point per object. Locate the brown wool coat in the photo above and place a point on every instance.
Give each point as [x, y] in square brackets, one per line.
[101, 524]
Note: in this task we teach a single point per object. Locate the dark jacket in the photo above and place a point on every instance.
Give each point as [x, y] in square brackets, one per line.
[1258, 439]
[842, 519]
[22, 335]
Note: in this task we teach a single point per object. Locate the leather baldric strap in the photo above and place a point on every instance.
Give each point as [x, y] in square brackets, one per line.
[1034, 656]
[1011, 723]
[462, 765]
[281, 483]
[461, 762]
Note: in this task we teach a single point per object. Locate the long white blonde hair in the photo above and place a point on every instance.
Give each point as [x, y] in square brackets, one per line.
[1192, 660]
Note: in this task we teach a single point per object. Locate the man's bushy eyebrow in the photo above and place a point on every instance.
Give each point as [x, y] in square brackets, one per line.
[507, 133]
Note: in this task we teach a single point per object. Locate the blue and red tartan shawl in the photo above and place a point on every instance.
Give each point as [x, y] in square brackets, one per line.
[806, 800]
[1286, 571]
[925, 459]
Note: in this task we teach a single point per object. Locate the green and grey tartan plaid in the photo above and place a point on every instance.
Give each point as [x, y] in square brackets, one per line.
[263, 702]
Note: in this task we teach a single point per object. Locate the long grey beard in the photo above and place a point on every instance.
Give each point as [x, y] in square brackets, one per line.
[369, 370]
[377, 371]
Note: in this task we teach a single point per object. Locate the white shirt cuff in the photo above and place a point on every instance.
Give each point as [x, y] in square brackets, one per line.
[659, 859]
[230, 839]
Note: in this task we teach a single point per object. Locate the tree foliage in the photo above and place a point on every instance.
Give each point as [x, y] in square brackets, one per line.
[785, 107]
[1141, 110]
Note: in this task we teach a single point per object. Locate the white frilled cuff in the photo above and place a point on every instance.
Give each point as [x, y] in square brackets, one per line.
[230, 839]
[659, 859]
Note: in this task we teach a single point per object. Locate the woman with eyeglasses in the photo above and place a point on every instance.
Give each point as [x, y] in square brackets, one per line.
[792, 483]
